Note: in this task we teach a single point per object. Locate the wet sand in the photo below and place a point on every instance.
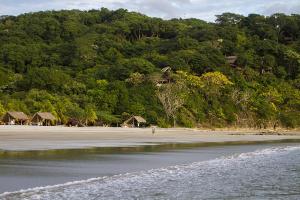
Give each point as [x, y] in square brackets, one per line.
[23, 138]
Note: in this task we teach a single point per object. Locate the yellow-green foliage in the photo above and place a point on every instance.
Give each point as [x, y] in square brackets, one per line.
[215, 79]
[2, 110]
[210, 79]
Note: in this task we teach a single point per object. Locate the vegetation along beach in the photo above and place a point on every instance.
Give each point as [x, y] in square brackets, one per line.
[99, 103]
[102, 66]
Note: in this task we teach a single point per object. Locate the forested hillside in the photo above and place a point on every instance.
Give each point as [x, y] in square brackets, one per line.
[104, 66]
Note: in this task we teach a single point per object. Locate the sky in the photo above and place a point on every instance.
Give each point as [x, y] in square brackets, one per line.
[202, 9]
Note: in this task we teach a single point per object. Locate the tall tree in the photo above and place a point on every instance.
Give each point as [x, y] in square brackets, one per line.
[172, 97]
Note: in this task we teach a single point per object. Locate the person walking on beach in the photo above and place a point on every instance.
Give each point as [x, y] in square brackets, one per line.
[153, 130]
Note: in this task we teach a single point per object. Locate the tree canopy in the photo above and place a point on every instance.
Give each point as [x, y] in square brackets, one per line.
[103, 65]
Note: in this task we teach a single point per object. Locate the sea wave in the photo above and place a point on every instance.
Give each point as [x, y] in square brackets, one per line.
[160, 183]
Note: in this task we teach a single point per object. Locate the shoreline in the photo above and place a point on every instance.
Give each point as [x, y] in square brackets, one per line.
[30, 138]
[40, 169]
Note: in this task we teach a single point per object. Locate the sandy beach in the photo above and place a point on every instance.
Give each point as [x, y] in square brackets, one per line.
[22, 138]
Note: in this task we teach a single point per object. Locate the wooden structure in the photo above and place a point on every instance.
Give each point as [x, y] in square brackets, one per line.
[43, 119]
[232, 60]
[15, 118]
[166, 74]
[164, 77]
[74, 122]
[134, 121]
[166, 70]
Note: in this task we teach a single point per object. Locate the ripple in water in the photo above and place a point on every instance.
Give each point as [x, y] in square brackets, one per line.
[272, 173]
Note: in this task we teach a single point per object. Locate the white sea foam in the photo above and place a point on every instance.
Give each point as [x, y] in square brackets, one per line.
[155, 182]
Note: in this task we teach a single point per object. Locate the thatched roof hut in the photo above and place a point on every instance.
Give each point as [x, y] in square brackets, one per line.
[134, 121]
[43, 119]
[12, 118]
[164, 77]
[231, 60]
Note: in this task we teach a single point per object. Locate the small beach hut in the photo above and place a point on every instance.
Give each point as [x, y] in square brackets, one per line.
[43, 119]
[134, 121]
[15, 118]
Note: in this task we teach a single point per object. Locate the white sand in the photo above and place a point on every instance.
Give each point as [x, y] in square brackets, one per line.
[45, 138]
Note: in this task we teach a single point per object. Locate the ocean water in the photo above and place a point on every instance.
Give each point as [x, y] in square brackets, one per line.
[264, 172]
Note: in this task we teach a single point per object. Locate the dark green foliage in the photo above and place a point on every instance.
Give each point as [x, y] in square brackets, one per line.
[102, 66]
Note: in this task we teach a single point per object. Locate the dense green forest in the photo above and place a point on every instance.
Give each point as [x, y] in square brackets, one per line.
[103, 66]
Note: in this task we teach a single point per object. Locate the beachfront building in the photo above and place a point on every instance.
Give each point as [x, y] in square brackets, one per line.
[134, 121]
[43, 119]
[15, 118]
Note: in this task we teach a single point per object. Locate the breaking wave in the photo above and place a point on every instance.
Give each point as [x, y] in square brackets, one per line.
[262, 173]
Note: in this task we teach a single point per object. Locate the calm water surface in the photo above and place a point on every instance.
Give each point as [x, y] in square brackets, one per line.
[253, 171]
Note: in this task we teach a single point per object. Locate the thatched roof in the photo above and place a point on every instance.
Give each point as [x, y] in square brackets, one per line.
[166, 69]
[139, 119]
[18, 115]
[45, 115]
[231, 59]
